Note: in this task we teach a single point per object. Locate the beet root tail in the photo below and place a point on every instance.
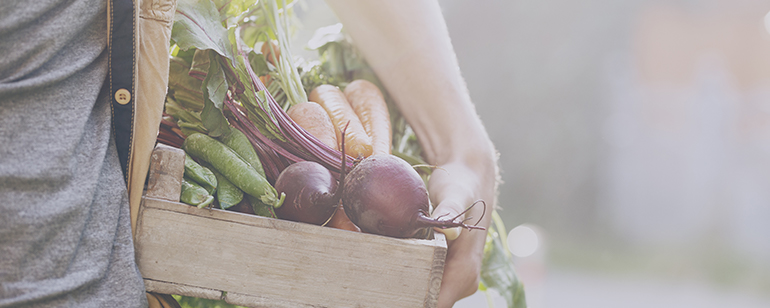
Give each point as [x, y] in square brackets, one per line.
[426, 221]
[451, 222]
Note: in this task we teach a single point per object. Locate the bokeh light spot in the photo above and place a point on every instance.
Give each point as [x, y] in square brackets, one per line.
[523, 241]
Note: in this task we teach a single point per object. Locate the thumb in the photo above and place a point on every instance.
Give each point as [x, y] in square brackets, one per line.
[447, 210]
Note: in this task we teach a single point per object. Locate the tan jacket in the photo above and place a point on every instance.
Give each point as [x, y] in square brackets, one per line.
[152, 23]
[151, 32]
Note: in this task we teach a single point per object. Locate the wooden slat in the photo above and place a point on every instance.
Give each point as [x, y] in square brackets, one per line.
[272, 262]
[180, 289]
[166, 172]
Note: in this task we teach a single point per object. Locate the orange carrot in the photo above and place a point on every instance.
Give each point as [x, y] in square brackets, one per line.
[341, 221]
[265, 79]
[357, 142]
[314, 119]
[369, 104]
[267, 50]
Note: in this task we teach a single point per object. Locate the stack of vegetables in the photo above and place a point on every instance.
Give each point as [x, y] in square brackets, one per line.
[270, 134]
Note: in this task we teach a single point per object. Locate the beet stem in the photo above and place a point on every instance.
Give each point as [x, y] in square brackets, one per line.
[426, 221]
[343, 170]
[469, 207]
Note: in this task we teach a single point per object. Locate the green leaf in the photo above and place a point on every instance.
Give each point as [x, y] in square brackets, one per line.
[214, 120]
[185, 89]
[197, 24]
[258, 63]
[200, 63]
[185, 55]
[214, 91]
[190, 128]
[256, 30]
[194, 302]
[497, 270]
[232, 8]
[181, 113]
[215, 84]
[290, 81]
[190, 100]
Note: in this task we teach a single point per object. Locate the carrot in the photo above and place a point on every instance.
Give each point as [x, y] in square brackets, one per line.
[341, 221]
[369, 104]
[267, 50]
[265, 79]
[359, 144]
[314, 119]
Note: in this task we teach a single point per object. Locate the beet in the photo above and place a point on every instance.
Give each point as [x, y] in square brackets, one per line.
[311, 193]
[384, 195]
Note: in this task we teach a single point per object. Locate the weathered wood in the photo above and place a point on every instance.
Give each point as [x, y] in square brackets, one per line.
[180, 289]
[437, 270]
[275, 263]
[166, 172]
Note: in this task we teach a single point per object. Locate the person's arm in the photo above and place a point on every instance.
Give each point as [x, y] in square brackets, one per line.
[408, 46]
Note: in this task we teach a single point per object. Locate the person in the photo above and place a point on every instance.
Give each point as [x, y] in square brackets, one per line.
[408, 46]
[65, 225]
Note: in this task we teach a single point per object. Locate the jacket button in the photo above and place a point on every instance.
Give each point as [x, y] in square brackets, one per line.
[122, 96]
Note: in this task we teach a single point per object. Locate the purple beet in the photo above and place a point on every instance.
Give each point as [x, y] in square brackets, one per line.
[310, 193]
[384, 195]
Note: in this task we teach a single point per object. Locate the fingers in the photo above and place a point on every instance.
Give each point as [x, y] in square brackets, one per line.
[452, 190]
[447, 210]
[461, 270]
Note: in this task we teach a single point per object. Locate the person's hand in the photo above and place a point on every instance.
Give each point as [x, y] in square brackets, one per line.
[454, 187]
[407, 45]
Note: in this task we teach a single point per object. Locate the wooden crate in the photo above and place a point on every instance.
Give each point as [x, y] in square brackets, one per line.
[262, 262]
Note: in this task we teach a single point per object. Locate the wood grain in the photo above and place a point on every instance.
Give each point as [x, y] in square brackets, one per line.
[166, 172]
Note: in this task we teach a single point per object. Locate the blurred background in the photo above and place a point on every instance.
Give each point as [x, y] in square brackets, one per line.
[635, 144]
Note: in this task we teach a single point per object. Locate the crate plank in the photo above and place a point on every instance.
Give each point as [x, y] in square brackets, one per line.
[274, 263]
[166, 172]
[180, 289]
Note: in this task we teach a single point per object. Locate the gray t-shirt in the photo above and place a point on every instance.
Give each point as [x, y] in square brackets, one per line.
[65, 234]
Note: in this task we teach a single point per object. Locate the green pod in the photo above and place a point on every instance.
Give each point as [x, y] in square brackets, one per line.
[238, 141]
[227, 194]
[194, 194]
[233, 167]
[201, 175]
[260, 208]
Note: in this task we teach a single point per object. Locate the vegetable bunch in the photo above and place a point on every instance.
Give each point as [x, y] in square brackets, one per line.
[269, 136]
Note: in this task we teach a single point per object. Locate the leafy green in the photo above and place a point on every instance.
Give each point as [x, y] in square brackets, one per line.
[290, 80]
[258, 63]
[497, 270]
[194, 302]
[214, 91]
[184, 88]
[197, 25]
[233, 9]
